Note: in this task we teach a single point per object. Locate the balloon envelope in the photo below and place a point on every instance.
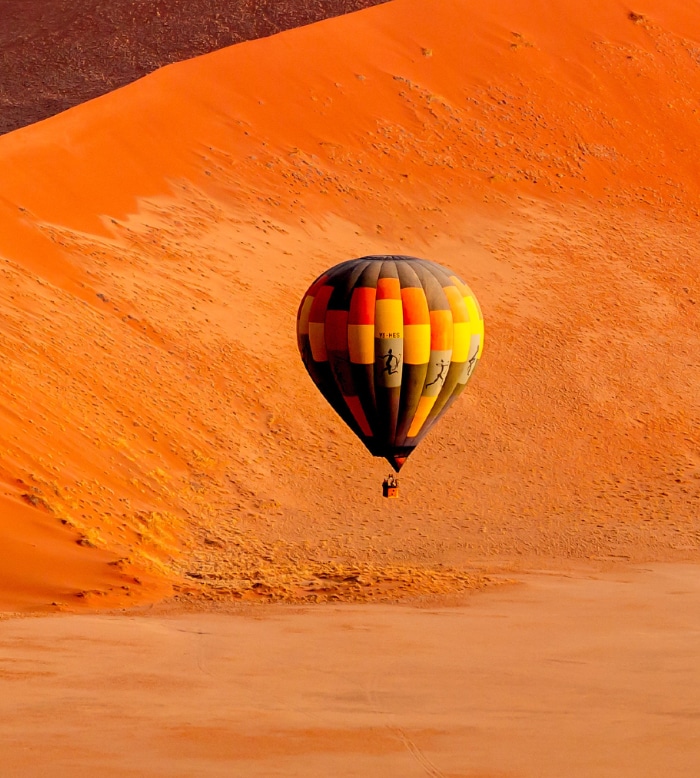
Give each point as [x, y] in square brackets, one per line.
[390, 341]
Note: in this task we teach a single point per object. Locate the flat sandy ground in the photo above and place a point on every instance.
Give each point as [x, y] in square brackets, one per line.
[577, 675]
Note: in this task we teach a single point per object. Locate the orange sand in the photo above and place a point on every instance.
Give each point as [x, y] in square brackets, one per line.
[562, 677]
[154, 244]
[161, 441]
[55, 54]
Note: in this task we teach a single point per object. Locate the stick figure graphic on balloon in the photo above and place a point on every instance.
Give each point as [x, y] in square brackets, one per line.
[391, 363]
[441, 376]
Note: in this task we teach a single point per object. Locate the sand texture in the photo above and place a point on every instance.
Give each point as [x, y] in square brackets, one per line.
[55, 54]
[562, 676]
[156, 241]
[161, 444]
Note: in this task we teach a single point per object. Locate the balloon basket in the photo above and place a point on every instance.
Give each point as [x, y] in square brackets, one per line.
[390, 488]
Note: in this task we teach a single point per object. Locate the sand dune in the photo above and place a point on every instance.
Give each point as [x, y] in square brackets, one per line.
[55, 54]
[154, 244]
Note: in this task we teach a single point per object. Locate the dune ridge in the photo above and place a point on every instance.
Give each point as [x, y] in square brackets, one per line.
[55, 54]
[154, 244]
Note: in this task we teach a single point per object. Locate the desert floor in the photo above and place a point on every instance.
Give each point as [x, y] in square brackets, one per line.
[561, 675]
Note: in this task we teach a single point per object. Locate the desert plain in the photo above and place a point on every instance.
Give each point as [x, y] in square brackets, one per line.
[199, 574]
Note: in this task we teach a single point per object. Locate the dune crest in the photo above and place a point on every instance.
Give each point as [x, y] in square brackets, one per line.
[71, 51]
[154, 244]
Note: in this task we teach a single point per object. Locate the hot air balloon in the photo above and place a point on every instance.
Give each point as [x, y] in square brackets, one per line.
[391, 342]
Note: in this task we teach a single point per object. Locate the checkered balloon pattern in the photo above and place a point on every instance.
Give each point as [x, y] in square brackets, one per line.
[391, 342]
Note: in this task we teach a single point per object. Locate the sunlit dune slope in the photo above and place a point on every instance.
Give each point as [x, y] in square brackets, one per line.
[155, 243]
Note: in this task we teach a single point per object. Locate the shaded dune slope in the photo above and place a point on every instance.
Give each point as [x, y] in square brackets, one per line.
[154, 244]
